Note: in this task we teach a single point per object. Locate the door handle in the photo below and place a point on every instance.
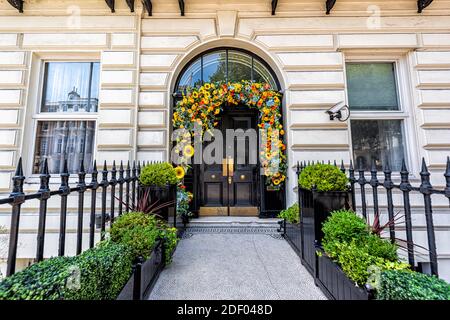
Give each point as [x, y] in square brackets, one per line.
[225, 168]
[230, 167]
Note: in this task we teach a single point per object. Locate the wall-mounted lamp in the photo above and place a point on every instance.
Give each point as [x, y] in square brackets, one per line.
[336, 112]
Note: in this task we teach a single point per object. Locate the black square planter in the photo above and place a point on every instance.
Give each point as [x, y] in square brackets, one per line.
[335, 283]
[315, 207]
[293, 236]
[144, 275]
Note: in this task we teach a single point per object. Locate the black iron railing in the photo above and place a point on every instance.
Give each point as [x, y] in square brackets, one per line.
[128, 179]
[388, 185]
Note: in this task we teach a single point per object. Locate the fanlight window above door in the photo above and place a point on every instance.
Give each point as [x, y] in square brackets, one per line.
[225, 65]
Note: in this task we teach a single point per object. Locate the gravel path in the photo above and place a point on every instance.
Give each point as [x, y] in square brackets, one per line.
[224, 266]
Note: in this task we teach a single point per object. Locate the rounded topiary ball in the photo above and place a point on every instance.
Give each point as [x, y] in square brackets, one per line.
[323, 177]
[158, 174]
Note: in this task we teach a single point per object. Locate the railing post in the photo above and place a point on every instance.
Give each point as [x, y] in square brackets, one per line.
[137, 279]
[94, 186]
[362, 182]
[133, 182]
[447, 180]
[127, 187]
[425, 189]
[104, 184]
[120, 181]
[44, 195]
[389, 185]
[374, 183]
[406, 188]
[81, 190]
[64, 192]
[18, 198]
[352, 179]
[138, 185]
[113, 183]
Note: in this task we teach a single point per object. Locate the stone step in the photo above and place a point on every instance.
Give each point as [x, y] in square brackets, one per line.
[233, 222]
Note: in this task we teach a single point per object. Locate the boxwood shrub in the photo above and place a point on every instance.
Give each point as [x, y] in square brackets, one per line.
[323, 177]
[158, 174]
[342, 226]
[291, 214]
[97, 274]
[140, 231]
[404, 285]
[349, 242]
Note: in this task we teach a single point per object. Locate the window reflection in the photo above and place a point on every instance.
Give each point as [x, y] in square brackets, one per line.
[215, 67]
[239, 66]
[377, 141]
[226, 66]
[58, 141]
[372, 86]
[71, 87]
[192, 76]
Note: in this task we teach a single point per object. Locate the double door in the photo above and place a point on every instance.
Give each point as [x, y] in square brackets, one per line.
[230, 186]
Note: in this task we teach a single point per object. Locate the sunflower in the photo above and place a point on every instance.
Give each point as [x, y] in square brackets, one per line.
[188, 151]
[207, 86]
[276, 182]
[179, 171]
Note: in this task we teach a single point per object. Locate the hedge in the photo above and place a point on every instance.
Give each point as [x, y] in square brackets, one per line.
[407, 285]
[97, 274]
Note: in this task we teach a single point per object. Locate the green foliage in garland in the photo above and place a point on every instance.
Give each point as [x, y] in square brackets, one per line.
[323, 177]
[158, 174]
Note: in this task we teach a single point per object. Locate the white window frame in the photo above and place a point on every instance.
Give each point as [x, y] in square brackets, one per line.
[35, 115]
[404, 97]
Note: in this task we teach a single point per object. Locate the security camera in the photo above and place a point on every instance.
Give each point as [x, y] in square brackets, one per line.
[335, 112]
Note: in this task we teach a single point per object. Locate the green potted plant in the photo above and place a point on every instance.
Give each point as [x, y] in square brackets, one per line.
[159, 181]
[291, 226]
[322, 188]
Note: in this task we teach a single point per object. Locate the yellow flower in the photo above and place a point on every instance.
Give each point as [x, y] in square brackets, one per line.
[217, 111]
[276, 182]
[207, 86]
[179, 171]
[195, 94]
[188, 151]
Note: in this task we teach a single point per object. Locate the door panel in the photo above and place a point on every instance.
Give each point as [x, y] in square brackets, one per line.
[240, 189]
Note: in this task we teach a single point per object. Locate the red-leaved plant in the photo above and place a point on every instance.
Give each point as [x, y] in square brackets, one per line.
[378, 228]
[145, 206]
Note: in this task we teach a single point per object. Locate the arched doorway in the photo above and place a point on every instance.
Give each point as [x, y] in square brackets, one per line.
[235, 186]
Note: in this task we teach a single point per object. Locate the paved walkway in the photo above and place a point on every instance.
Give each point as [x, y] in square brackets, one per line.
[224, 266]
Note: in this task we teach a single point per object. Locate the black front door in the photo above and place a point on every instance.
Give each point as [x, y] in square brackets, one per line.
[230, 187]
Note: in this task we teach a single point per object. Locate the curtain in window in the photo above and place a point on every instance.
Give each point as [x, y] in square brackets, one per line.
[71, 87]
[57, 141]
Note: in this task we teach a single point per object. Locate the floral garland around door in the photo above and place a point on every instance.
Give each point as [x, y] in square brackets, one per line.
[203, 106]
